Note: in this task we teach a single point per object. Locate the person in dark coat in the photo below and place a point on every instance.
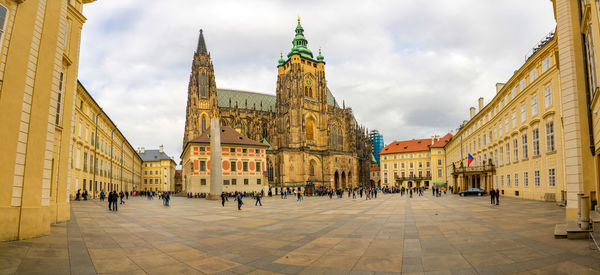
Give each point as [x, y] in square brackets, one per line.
[497, 196]
[239, 200]
[223, 199]
[109, 199]
[492, 196]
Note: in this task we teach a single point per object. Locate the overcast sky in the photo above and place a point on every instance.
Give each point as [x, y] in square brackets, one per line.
[408, 68]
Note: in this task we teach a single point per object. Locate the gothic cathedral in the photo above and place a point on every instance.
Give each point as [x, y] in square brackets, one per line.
[313, 141]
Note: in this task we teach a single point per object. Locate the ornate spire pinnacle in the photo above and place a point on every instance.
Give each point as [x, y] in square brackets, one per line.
[281, 60]
[201, 44]
[299, 44]
[320, 57]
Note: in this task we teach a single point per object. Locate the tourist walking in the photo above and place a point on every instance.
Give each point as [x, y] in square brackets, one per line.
[78, 195]
[258, 200]
[239, 201]
[121, 196]
[102, 195]
[410, 192]
[223, 199]
[492, 196]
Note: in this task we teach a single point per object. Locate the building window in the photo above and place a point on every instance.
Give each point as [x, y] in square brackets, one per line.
[258, 167]
[245, 166]
[385, 178]
[522, 84]
[534, 105]
[203, 166]
[536, 141]
[202, 149]
[145, 181]
[233, 181]
[202, 181]
[506, 124]
[59, 98]
[385, 166]
[225, 182]
[550, 137]
[591, 62]
[524, 144]
[231, 150]
[439, 162]
[548, 96]
[245, 181]
[502, 181]
[402, 165]
[514, 119]
[496, 157]
[84, 161]
[203, 120]
[546, 64]
[484, 139]
[526, 179]
[395, 165]
[536, 178]
[501, 155]
[233, 166]
[258, 181]
[439, 173]
[532, 75]
[508, 180]
[551, 177]
[244, 150]
[516, 149]
[507, 152]
[523, 112]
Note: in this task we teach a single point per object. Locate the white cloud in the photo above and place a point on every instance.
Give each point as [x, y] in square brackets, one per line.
[408, 68]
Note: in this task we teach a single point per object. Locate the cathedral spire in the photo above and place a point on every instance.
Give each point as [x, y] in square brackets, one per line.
[201, 44]
[300, 44]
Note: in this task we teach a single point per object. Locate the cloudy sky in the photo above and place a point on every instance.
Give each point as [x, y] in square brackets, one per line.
[409, 68]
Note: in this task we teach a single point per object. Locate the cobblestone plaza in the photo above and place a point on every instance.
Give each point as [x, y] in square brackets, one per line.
[393, 233]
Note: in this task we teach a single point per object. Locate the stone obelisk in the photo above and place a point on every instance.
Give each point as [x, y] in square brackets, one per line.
[216, 174]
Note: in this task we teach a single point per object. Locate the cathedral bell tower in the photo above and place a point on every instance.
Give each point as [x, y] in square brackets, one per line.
[301, 108]
[202, 93]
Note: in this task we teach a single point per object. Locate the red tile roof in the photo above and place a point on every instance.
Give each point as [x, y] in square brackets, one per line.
[374, 169]
[415, 145]
[228, 136]
[442, 141]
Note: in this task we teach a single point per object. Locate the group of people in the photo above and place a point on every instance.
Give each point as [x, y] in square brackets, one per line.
[495, 196]
[80, 195]
[113, 198]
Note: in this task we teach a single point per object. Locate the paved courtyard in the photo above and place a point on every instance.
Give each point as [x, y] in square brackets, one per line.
[448, 235]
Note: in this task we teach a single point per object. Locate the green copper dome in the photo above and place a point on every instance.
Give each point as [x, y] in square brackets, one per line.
[281, 60]
[299, 45]
[320, 57]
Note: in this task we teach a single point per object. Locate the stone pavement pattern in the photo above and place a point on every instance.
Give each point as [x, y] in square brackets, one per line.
[390, 234]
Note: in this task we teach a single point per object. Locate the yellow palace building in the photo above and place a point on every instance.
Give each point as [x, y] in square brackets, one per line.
[414, 163]
[39, 56]
[158, 170]
[539, 137]
[102, 157]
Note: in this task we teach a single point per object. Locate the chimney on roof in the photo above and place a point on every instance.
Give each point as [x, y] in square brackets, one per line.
[472, 111]
[499, 87]
[480, 101]
[161, 148]
[142, 150]
[432, 140]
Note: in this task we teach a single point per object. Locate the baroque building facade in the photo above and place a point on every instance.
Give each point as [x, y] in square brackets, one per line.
[313, 141]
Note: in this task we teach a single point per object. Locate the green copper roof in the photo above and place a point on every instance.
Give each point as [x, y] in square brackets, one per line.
[281, 60]
[242, 97]
[299, 45]
[268, 101]
[320, 57]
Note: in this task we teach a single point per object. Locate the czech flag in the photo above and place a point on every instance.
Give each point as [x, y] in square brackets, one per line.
[469, 160]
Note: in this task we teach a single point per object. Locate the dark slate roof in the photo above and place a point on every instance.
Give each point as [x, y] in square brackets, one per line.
[228, 136]
[253, 98]
[153, 155]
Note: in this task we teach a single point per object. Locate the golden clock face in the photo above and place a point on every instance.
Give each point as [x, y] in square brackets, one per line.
[308, 82]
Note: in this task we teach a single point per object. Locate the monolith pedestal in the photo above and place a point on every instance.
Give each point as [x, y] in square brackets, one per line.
[216, 173]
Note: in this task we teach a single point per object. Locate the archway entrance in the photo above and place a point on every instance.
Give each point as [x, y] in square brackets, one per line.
[343, 179]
